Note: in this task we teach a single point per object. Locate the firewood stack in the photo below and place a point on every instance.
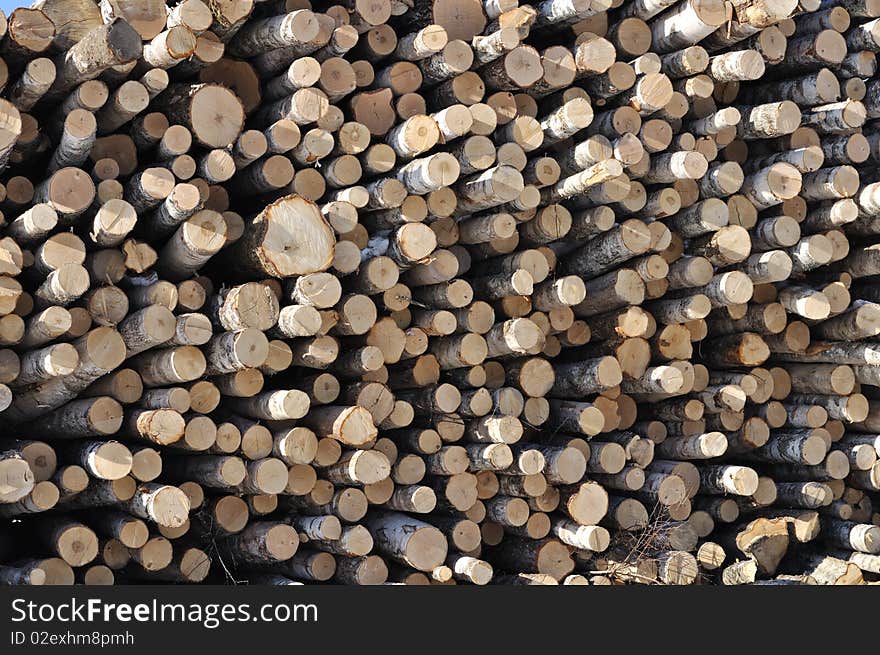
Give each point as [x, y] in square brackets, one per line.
[410, 292]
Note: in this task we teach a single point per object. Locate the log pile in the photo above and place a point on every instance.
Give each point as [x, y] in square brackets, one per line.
[449, 292]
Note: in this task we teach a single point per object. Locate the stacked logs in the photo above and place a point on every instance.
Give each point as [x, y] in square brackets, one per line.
[578, 292]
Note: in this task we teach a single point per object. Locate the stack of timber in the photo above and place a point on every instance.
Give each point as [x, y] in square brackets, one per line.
[440, 292]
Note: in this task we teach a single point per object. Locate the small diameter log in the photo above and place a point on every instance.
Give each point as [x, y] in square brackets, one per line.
[100, 351]
[408, 540]
[147, 328]
[35, 80]
[613, 247]
[250, 305]
[19, 478]
[43, 364]
[264, 542]
[193, 244]
[258, 36]
[162, 504]
[113, 222]
[191, 329]
[130, 99]
[148, 188]
[170, 47]
[590, 376]
[181, 203]
[33, 225]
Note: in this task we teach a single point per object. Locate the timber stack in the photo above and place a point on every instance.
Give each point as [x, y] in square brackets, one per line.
[440, 292]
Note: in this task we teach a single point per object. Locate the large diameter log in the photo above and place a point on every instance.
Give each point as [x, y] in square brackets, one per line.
[586, 504]
[69, 191]
[112, 44]
[30, 32]
[250, 305]
[148, 18]
[213, 113]
[746, 349]
[289, 237]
